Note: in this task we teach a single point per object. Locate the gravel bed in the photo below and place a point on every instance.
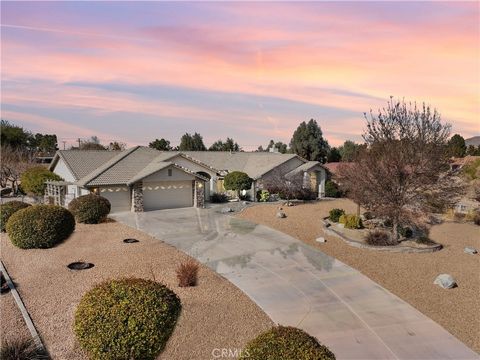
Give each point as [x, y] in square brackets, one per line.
[408, 275]
[12, 326]
[215, 314]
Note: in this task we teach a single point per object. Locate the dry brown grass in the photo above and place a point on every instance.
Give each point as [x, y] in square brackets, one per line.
[187, 273]
[409, 276]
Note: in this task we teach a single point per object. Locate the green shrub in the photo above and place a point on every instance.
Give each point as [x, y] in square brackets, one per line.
[237, 180]
[8, 209]
[33, 180]
[334, 214]
[263, 195]
[218, 198]
[351, 221]
[332, 190]
[40, 226]
[380, 238]
[126, 319]
[286, 343]
[90, 209]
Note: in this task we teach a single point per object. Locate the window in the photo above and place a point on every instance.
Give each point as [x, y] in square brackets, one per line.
[169, 172]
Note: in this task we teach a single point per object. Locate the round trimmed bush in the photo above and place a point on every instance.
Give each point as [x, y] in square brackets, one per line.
[33, 180]
[334, 214]
[8, 209]
[286, 343]
[90, 209]
[40, 226]
[126, 319]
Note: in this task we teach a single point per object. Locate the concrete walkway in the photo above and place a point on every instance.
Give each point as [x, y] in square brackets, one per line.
[300, 286]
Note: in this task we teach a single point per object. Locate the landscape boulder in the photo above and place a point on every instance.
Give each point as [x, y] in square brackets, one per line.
[445, 281]
[470, 250]
[281, 215]
[227, 210]
[321, 240]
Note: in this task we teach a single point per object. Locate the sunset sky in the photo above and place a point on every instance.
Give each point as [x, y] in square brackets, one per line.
[136, 71]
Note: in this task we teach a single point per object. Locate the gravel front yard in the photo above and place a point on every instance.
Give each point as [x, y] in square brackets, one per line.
[215, 314]
[409, 276]
[12, 326]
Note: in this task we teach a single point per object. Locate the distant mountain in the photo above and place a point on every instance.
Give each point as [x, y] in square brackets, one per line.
[475, 141]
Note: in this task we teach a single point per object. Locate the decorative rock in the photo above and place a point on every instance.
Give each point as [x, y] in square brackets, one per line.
[445, 281]
[470, 250]
[280, 208]
[321, 240]
[245, 203]
[281, 215]
[227, 210]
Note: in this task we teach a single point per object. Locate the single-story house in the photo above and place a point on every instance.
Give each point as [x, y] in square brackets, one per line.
[142, 179]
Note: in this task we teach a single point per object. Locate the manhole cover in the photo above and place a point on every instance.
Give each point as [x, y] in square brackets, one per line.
[80, 265]
[130, 241]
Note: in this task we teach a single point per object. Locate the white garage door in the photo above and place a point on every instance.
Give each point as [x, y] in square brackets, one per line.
[119, 197]
[167, 195]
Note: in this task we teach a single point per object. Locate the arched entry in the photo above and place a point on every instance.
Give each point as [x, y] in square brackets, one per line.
[207, 184]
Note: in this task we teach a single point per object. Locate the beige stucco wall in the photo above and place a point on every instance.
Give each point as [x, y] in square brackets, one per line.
[162, 175]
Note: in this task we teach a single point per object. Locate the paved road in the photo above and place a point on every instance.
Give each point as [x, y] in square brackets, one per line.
[300, 286]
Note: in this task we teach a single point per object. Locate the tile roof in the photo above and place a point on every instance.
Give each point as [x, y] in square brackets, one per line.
[255, 164]
[83, 162]
[120, 169]
[305, 167]
[94, 168]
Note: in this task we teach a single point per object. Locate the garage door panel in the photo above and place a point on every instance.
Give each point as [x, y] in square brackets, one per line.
[167, 195]
[119, 197]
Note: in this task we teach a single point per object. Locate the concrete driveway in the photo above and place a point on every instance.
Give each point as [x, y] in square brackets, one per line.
[300, 286]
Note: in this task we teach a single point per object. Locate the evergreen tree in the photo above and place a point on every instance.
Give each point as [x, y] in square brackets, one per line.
[308, 142]
[192, 143]
[456, 146]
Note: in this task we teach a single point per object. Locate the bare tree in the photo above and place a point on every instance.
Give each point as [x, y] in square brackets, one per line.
[403, 173]
[14, 163]
[287, 187]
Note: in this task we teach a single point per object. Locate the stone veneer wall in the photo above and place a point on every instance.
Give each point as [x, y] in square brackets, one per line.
[137, 197]
[199, 193]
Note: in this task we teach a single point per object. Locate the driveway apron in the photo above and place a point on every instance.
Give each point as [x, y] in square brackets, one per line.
[300, 286]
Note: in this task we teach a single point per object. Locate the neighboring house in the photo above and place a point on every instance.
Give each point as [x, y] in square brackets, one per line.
[456, 164]
[143, 179]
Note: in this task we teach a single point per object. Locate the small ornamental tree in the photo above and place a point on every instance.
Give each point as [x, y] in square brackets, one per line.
[403, 174]
[237, 180]
[33, 180]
